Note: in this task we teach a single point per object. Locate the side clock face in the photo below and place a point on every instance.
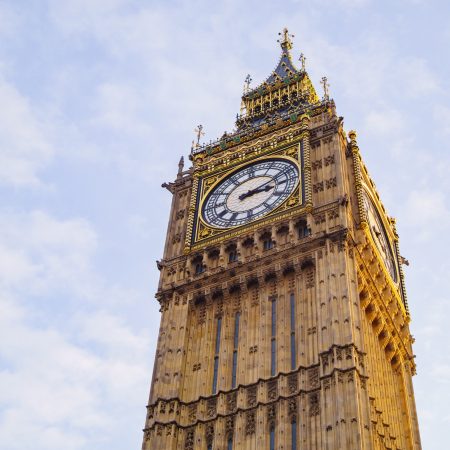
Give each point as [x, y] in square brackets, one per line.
[380, 237]
[250, 193]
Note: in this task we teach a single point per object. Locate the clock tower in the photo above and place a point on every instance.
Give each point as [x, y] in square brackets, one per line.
[284, 318]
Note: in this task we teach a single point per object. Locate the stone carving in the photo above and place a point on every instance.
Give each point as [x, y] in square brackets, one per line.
[292, 383]
[189, 441]
[180, 214]
[229, 425]
[313, 377]
[309, 278]
[253, 349]
[162, 407]
[272, 390]
[251, 396]
[192, 413]
[271, 413]
[333, 214]
[219, 310]
[255, 297]
[201, 318]
[250, 423]
[348, 352]
[363, 382]
[231, 401]
[314, 406]
[292, 406]
[316, 164]
[209, 434]
[332, 182]
[329, 160]
[318, 187]
[211, 407]
[319, 218]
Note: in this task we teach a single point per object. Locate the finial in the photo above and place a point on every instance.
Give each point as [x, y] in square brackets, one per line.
[302, 59]
[285, 42]
[247, 81]
[199, 133]
[180, 166]
[326, 94]
[352, 136]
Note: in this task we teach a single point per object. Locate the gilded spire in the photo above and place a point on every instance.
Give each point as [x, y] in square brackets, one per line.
[285, 39]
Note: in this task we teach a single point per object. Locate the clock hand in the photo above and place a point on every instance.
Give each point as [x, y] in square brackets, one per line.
[255, 191]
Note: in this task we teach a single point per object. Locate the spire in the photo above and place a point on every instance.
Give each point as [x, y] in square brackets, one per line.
[285, 67]
[287, 88]
[181, 166]
[285, 42]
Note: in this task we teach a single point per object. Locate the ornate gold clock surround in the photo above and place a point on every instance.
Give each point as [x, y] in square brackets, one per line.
[202, 234]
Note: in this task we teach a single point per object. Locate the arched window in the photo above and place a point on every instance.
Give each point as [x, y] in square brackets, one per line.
[273, 340]
[235, 349]
[216, 355]
[293, 347]
[272, 436]
[267, 241]
[232, 253]
[294, 434]
[302, 228]
[198, 265]
[199, 268]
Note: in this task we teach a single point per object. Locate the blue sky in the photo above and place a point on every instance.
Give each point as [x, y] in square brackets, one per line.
[99, 99]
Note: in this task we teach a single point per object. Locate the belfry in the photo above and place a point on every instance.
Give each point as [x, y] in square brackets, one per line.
[284, 317]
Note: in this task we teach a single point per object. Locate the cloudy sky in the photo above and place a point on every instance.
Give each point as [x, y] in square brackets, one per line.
[98, 101]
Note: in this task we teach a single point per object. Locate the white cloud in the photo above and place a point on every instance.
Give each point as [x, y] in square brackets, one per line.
[121, 108]
[24, 146]
[425, 213]
[43, 252]
[442, 117]
[63, 380]
[385, 122]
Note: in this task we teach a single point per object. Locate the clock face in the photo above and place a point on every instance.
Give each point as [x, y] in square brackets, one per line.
[250, 193]
[380, 237]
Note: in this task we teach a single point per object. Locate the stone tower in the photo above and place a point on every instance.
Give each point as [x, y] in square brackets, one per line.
[284, 319]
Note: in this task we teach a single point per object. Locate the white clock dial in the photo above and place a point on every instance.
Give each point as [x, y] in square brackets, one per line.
[380, 237]
[250, 193]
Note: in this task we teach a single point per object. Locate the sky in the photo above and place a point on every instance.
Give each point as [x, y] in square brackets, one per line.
[98, 101]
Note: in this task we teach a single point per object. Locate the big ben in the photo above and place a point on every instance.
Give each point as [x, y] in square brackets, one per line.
[284, 317]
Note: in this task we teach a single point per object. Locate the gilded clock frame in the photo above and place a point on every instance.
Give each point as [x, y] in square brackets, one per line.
[200, 234]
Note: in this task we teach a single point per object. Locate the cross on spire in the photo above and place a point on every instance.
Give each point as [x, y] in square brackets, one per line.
[324, 82]
[285, 42]
[199, 133]
[247, 81]
[302, 59]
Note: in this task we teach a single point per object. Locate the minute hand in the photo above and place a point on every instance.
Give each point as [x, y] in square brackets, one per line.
[255, 191]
